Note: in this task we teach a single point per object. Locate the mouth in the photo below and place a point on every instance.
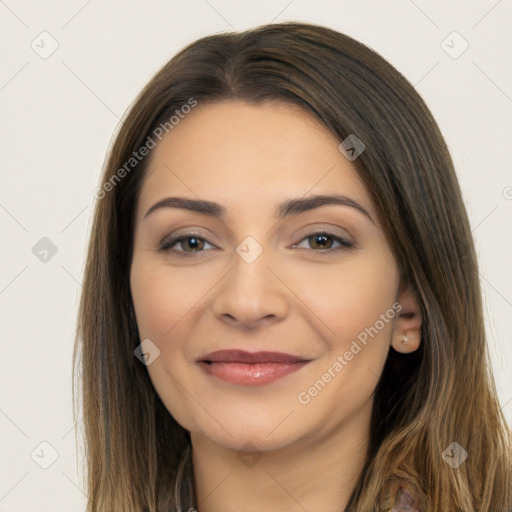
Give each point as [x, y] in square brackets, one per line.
[250, 368]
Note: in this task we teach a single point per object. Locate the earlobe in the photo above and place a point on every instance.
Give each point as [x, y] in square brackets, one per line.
[406, 336]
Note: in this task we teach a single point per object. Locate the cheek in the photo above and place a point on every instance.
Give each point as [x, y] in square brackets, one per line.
[351, 296]
[160, 300]
[164, 302]
[355, 301]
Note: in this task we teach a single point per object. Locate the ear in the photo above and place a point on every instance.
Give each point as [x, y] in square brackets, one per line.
[406, 336]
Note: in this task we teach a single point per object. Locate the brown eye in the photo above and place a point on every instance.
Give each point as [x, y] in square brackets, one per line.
[324, 241]
[321, 241]
[189, 243]
[192, 242]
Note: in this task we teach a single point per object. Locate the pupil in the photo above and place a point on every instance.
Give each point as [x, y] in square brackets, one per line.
[322, 237]
[319, 240]
[193, 242]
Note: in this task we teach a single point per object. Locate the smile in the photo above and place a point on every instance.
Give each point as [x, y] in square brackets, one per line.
[249, 369]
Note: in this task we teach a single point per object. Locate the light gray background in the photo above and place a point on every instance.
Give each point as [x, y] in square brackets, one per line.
[59, 114]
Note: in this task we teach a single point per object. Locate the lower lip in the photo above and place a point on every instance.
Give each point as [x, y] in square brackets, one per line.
[250, 374]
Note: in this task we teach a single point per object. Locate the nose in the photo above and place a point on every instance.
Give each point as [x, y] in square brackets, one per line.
[251, 295]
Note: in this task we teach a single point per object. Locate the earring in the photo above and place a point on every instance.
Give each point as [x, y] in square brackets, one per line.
[405, 340]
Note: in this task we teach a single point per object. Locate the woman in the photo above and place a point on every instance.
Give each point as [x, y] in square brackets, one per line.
[281, 306]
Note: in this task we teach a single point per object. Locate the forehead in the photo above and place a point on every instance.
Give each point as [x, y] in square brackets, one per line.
[239, 153]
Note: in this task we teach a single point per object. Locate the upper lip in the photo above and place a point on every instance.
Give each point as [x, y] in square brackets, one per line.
[242, 356]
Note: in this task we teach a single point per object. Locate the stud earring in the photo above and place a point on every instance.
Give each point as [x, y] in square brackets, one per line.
[405, 340]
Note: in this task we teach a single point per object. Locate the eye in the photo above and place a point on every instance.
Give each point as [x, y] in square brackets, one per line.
[186, 241]
[190, 243]
[321, 240]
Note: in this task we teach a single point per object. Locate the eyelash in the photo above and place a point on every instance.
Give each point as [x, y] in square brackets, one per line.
[167, 244]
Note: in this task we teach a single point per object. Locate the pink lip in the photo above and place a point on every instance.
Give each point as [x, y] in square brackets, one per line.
[250, 368]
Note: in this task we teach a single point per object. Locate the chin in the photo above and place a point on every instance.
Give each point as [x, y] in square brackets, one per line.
[250, 443]
[247, 438]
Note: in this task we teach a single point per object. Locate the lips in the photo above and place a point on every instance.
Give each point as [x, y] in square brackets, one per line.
[250, 368]
[241, 356]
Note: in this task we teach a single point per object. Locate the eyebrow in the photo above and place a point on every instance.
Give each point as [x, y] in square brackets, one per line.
[284, 209]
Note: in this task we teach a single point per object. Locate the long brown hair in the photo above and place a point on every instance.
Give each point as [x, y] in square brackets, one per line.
[441, 394]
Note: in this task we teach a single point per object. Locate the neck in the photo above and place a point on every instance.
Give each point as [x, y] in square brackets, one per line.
[317, 473]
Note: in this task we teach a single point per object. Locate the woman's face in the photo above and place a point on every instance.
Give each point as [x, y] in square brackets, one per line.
[319, 284]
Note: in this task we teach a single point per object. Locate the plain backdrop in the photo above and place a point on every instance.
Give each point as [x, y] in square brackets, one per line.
[69, 70]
